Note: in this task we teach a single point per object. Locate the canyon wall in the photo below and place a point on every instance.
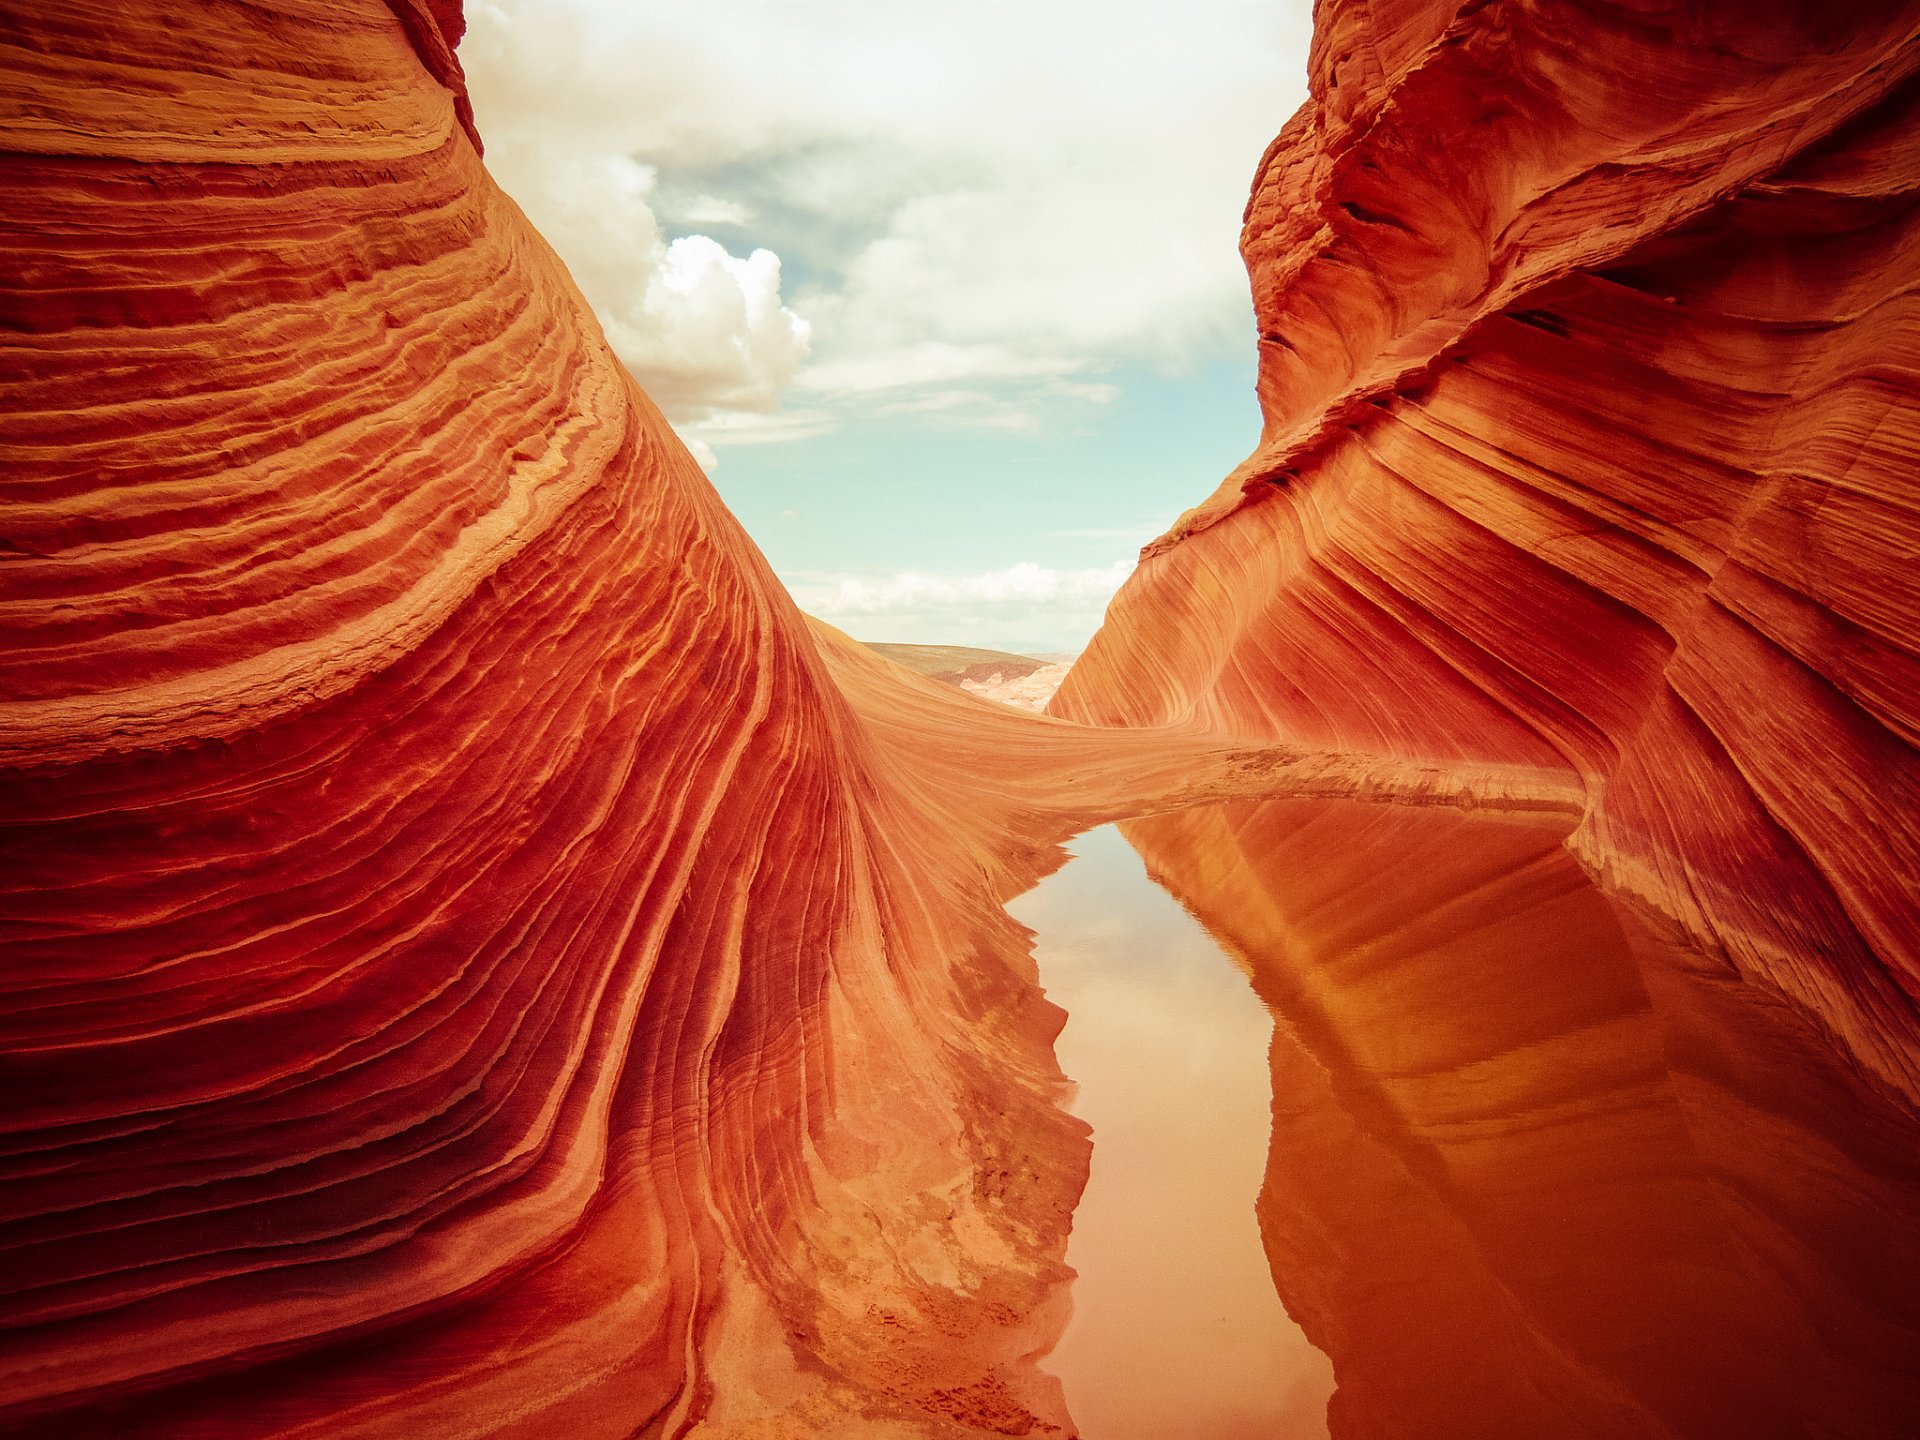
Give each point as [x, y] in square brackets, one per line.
[467, 969]
[1588, 339]
[1588, 361]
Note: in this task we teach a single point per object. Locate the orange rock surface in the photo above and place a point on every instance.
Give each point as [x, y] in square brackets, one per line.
[1588, 339]
[1588, 342]
[476, 961]
[466, 969]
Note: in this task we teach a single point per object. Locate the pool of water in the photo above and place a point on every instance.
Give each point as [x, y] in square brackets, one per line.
[1177, 1330]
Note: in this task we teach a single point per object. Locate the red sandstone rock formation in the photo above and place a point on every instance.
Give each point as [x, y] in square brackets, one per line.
[477, 963]
[474, 961]
[1588, 347]
[1587, 342]
[467, 970]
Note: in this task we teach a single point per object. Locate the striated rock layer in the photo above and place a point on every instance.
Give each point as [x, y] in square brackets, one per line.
[466, 968]
[1588, 347]
[1590, 366]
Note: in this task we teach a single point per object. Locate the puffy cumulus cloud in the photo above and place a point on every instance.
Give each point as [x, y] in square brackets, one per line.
[993, 199]
[701, 452]
[1036, 275]
[703, 330]
[1021, 607]
[706, 331]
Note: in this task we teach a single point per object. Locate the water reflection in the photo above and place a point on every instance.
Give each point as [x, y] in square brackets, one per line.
[1538, 1169]
[1177, 1330]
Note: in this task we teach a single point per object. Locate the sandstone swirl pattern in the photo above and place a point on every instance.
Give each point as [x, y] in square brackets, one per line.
[466, 969]
[1588, 346]
[477, 962]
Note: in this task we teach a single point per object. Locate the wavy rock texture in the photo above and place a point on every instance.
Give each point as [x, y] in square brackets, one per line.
[1588, 361]
[476, 962]
[1588, 349]
[467, 970]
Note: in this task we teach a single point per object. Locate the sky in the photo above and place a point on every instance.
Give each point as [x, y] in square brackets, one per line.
[944, 294]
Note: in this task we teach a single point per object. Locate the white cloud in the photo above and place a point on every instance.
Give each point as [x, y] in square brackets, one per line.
[712, 210]
[909, 363]
[701, 452]
[705, 330]
[995, 199]
[1025, 582]
[744, 427]
[1021, 606]
[701, 329]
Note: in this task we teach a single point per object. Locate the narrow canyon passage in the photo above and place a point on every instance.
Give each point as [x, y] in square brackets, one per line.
[478, 962]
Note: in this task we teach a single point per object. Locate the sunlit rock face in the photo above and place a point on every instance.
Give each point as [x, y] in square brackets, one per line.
[466, 969]
[1587, 341]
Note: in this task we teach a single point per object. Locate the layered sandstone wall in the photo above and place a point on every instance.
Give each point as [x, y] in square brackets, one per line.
[466, 968]
[1588, 347]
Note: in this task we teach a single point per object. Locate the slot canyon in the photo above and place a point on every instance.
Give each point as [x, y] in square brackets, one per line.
[479, 961]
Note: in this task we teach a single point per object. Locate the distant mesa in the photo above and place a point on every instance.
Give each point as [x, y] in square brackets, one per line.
[1026, 682]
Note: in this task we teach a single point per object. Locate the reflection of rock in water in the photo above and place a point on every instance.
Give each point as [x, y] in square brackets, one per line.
[1176, 1327]
[1537, 1171]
